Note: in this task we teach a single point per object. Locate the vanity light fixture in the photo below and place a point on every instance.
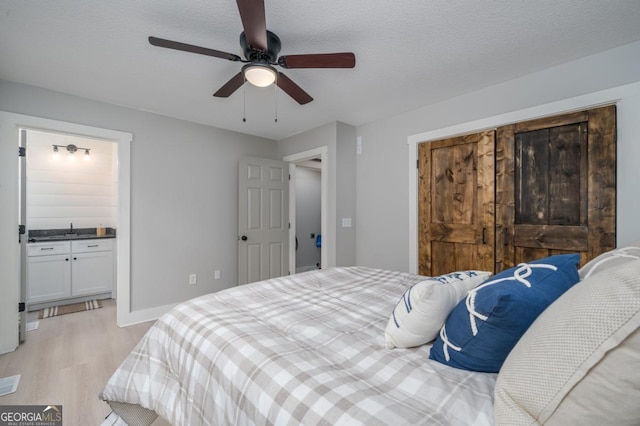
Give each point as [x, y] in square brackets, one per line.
[71, 149]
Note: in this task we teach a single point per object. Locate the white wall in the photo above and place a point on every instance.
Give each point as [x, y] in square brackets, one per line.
[382, 192]
[183, 191]
[69, 189]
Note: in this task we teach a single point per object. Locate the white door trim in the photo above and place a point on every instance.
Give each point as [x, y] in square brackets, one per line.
[577, 103]
[328, 245]
[292, 218]
[16, 121]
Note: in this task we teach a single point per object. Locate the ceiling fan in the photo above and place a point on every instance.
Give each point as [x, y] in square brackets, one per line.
[261, 48]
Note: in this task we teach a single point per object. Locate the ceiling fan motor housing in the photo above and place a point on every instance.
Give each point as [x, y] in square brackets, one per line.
[270, 55]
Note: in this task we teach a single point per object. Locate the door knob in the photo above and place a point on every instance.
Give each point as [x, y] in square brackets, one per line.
[243, 238]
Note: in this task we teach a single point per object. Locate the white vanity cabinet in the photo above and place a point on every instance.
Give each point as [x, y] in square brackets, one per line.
[48, 271]
[91, 267]
[69, 269]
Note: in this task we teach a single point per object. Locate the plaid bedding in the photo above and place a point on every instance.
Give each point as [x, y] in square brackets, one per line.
[302, 349]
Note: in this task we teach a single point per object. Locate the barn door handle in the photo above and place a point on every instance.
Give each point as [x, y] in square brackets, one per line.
[484, 231]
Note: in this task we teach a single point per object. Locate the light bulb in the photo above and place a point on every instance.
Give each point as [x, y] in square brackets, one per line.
[260, 75]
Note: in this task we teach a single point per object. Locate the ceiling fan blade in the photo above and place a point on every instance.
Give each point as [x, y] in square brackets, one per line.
[292, 89]
[319, 60]
[230, 86]
[254, 22]
[160, 42]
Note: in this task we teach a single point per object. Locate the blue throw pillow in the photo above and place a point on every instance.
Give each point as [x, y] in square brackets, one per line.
[484, 327]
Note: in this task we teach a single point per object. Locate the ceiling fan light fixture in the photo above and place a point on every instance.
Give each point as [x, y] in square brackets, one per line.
[259, 74]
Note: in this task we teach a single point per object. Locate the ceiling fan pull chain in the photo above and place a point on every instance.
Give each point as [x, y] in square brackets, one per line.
[244, 101]
[275, 96]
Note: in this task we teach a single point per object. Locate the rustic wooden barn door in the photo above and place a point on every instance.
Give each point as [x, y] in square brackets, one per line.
[456, 204]
[556, 181]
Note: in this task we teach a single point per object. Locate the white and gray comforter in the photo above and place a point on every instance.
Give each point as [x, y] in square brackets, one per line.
[306, 349]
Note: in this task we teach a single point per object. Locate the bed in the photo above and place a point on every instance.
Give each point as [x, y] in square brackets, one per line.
[303, 349]
[310, 349]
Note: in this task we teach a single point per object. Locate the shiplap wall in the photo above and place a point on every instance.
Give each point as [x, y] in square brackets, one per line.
[61, 190]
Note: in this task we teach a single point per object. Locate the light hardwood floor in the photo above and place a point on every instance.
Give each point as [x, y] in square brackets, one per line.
[68, 360]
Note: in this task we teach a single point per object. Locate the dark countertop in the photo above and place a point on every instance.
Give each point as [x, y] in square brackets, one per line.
[44, 235]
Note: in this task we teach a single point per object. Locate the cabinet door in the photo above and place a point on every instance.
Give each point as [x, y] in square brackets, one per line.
[92, 273]
[556, 186]
[48, 277]
[456, 196]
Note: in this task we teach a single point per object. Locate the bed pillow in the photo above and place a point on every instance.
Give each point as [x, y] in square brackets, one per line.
[424, 307]
[484, 327]
[579, 361]
[611, 259]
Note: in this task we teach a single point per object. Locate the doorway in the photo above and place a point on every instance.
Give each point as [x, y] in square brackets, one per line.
[307, 186]
[11, 125]
[318, 158]
[71, 188]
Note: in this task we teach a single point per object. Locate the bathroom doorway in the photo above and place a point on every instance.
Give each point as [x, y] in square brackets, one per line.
[316, 159]
[307, 182]
[68, 196]
[12, 127]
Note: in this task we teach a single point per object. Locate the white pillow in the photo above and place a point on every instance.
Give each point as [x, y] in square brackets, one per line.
[423, 308]
[578, 362]
[611, 260]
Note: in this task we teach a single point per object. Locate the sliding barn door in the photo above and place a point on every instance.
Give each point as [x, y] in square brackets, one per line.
[556, 182]
[456, 204]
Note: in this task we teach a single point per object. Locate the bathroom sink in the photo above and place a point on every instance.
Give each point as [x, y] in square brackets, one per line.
[75, 236]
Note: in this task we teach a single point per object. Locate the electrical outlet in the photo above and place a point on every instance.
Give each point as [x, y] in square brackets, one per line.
[193, 278]
[216, 274]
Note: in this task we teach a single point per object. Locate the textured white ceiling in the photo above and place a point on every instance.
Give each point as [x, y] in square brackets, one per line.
[409, 53]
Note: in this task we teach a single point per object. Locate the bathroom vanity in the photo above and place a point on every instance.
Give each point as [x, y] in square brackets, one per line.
[68, 268]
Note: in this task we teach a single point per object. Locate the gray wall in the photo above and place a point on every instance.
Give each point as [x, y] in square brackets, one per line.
[184, 194]
[346, 193]
[383, 171]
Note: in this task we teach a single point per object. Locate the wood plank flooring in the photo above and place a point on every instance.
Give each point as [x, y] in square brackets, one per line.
[68, 360]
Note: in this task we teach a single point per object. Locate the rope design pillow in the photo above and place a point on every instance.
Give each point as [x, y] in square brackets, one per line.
[484, 327]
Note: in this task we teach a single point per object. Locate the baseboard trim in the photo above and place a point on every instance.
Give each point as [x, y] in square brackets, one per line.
[143, 315]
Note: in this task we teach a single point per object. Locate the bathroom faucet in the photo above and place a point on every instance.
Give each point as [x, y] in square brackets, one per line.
[71, 228]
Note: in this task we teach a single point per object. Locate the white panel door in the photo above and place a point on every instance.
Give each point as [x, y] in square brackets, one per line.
[263, 219]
